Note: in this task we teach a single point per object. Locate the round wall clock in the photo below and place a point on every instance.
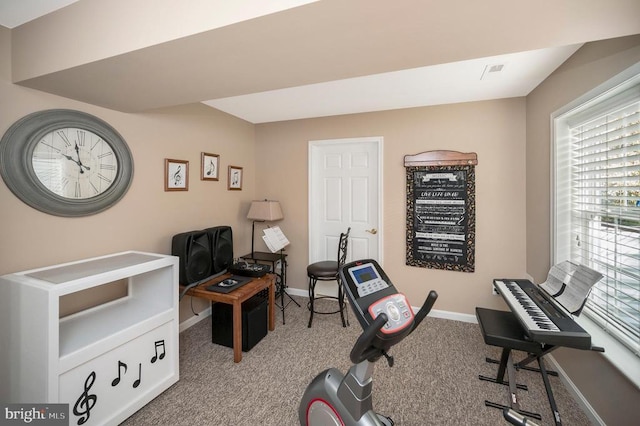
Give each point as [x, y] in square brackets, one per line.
[65, 162]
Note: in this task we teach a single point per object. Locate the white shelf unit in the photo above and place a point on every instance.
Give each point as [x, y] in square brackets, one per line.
[76, 359]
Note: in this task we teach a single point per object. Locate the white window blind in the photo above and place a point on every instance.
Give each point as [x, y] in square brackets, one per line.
[597, 208]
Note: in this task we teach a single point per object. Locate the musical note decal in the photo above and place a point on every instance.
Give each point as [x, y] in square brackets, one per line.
[212, 168]
[177, 176]
[158, 344]
[86, 401]
[137, 382]
[117, 379]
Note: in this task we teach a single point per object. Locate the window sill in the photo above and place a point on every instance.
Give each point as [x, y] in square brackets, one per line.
[619, 355]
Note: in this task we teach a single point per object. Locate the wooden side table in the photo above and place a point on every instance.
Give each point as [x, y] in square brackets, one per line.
[235, 298]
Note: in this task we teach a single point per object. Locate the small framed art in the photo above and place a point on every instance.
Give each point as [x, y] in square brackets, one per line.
[235, 178]
[209, 167]
[176, 175]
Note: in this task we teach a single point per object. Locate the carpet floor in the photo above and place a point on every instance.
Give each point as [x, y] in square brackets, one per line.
[434, 380]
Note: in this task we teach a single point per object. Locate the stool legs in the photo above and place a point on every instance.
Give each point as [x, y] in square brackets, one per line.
[312, 297]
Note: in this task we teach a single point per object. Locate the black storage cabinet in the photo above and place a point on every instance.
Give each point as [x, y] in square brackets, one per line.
[254, 322]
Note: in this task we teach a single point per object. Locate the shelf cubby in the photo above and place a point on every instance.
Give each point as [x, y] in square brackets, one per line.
[54, 359]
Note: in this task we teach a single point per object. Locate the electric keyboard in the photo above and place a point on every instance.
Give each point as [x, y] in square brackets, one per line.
[542, 320]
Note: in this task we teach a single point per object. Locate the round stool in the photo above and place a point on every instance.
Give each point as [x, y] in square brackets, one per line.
[328, 270]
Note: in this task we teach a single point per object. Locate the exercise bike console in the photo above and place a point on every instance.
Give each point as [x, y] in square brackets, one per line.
[386, 318]
[371, 293]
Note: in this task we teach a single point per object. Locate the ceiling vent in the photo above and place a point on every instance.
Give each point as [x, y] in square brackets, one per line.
[491, 71]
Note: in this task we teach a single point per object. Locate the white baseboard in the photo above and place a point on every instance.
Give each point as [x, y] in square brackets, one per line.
[190, 322]
[455, 316]
[298, 292]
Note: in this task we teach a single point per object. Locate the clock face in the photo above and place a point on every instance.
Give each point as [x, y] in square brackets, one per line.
[74, 163]
[65, 162]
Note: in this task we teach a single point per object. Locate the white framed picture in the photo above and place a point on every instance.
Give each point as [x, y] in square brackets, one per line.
[176, 175]
[210, 166]
[235, 178]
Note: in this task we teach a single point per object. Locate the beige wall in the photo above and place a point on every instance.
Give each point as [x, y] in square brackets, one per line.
[147, 217]
[590, 66]
[511, 138]
[493, 129]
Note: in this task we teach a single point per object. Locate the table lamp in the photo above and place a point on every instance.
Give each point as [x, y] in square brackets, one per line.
[263, 211]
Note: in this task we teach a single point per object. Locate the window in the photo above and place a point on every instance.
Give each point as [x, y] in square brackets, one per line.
[597, 203]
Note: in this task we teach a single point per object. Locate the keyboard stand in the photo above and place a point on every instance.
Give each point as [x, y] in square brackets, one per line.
[502, 329]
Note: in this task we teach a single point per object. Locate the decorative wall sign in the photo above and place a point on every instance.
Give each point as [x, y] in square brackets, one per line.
[441, 210]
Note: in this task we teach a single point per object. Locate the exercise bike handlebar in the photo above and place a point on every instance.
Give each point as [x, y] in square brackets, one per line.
[426, 308]
[364, 349]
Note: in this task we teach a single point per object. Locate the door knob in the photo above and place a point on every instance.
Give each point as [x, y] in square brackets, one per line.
[373, 231]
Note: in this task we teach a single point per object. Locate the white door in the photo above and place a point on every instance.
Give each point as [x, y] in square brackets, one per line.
[345, 191]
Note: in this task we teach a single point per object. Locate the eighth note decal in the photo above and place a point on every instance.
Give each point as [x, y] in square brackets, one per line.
[121, 365]
[158, 344]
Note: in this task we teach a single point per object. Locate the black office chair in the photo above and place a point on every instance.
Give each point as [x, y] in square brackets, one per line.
[327, 270]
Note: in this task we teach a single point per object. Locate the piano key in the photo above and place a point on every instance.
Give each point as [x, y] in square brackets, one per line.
[540, 318]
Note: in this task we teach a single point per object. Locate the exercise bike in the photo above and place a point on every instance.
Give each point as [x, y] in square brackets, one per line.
[386, 318]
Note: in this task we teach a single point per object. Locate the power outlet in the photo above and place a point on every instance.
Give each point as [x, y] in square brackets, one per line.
[494, 291]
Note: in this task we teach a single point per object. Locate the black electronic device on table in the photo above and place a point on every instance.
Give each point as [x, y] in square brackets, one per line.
[386, 318]
[246, 269]
[229, 284]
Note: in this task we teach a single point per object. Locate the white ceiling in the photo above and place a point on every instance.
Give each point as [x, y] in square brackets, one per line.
[463, 81]
[455, 82]
[16, 12]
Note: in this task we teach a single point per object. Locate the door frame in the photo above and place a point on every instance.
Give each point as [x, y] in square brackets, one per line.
[379, 142]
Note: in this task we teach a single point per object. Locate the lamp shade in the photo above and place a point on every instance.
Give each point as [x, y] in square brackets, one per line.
[265, 210]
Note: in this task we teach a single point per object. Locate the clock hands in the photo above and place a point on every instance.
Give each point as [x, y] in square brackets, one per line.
[68, 157]
[78, 162]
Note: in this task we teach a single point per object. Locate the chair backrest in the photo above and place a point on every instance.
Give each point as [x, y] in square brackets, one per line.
[342, 253]
[342, 248]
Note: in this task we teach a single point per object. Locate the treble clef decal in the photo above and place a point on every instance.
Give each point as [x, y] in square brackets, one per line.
[86, 402]
[177, 176]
